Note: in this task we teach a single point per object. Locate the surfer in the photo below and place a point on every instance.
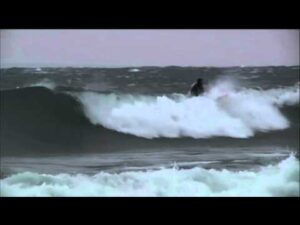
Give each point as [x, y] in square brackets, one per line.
[197, 88]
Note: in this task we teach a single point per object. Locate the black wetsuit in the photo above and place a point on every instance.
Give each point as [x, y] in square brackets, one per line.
[196, 89]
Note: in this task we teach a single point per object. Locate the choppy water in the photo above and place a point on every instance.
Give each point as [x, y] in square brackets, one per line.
[134, 131]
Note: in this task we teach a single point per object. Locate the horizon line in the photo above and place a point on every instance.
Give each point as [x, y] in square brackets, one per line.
[133, 66]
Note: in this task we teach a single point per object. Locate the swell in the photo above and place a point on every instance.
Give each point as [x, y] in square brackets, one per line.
[38, 120]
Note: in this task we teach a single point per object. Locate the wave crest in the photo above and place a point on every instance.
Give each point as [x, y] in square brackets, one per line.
[223, 111]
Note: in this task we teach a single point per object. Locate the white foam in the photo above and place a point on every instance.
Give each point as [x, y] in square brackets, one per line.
[223, 111]
[134, 70]
[45, 83]
[39, 70]
[273, 180]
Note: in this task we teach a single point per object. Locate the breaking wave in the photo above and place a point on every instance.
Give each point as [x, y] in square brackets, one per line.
[272, 180]
[223, 111]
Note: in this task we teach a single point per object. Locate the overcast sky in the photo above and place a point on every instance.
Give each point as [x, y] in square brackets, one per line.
[115, 48]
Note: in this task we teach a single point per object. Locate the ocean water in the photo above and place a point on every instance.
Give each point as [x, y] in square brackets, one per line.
[136, 132]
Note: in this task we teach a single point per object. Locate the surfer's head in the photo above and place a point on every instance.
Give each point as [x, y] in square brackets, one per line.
[199, 81]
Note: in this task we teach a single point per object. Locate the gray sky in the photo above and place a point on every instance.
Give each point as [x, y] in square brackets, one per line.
[115, 48]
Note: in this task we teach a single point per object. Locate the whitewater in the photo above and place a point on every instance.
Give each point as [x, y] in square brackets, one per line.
[137, 132]
[222, 111]
[281, 179]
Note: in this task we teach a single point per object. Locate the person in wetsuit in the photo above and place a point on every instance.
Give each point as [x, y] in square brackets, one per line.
[197, 88]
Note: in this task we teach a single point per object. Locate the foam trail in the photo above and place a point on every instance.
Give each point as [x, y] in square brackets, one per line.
[273, 180]
[223, 111]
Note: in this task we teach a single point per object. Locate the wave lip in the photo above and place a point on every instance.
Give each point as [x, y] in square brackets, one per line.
[45, 83]
[221, 112]
[273, 180]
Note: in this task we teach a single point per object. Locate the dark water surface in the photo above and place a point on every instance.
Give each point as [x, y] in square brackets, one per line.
[45, 129]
